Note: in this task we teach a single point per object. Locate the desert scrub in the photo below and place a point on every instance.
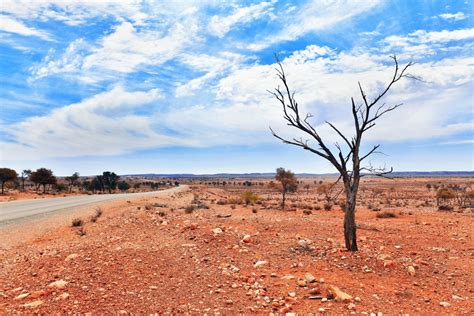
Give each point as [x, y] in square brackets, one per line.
[386, 214]
[77, 222]
[97, 214]
[248, 196]
[189, 209]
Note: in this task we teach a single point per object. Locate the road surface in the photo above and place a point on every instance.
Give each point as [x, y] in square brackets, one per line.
[17, 210]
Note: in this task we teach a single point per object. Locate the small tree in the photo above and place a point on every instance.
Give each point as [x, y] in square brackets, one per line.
[346, 158]
[72, 180]
[123, 186]
[6, 175]
[43, 176]
[248, 196]
[288, 183]
[24, 175]
[444, 195]
[110, 180]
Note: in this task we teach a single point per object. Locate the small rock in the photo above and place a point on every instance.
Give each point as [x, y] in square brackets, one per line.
[72, 256]
[444, 304]
[457, 298]
[260, 263]
[193, 226]
[321, 310]
[339, 296]
[247, 239]
[314, 291]
[411, 270]
[301, 283]
[357, 299]
[33, 304]
[351, 306]
[288, 277]
[37, 294]
[291, 294]
[229, 302]
[63, 296]
[22, 296]
[309, 278]
[59, 284]
[217, 231]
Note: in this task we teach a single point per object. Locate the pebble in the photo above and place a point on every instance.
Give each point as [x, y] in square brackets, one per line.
[63, 296]
[351, 306]
[22, 296]
[260, 263]
[33, 304]
[411, 270]
[309, 278]
[444, 304]
[59, 284]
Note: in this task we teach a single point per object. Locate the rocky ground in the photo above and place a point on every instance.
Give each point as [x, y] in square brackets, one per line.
[156, 255]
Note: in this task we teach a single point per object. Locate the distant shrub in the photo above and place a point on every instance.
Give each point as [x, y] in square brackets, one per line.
[327, 206]
[254, 210]
[98, 213]
[317, 207]
[189, 209]
[248, 196]
[307, 212]
[445, 208]
[232, 206]
[386, 214]
[77, 222]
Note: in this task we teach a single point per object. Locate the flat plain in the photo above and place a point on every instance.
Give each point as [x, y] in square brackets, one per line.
[204, 250]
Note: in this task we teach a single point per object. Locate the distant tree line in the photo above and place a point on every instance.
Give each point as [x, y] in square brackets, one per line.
[43, 178]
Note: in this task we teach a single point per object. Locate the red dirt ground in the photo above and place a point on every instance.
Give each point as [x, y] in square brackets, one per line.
[144, 257]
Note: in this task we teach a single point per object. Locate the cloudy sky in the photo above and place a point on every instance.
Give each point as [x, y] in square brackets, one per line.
[181, 86]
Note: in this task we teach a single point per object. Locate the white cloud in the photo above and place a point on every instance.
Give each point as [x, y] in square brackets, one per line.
[122, 51]
[422, 43]
[315, 16]
[105, 124]
[69, 11]
[453, 16]
[221, 25]
[11, 25]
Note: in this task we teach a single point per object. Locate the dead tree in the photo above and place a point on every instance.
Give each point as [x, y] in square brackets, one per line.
[347, 159]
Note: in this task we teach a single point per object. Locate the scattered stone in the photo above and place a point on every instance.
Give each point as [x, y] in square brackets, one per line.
[37, 294]
[33, 304]
[351, 306]
[59, 284]
[291, 294]
[217, 231]
[339, 296]
[63, 296]
[411, 270]
[357, 299]
[444, 304]
[321, 310]
[247, 239]
[288, 277]
[193, 226]
[22, 296]
[314, 291]
[309, 278]
[301, 283]
[72, 256]
[260, 263]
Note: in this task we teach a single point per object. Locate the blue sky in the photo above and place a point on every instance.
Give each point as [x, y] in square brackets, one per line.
[181, 86]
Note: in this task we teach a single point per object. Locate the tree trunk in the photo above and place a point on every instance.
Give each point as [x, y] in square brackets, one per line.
[44, 188]
[350, 235]
[283, 201]
[3, 183]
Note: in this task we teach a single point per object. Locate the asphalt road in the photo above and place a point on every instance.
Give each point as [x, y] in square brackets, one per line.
[18, 210]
